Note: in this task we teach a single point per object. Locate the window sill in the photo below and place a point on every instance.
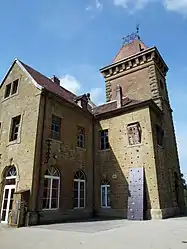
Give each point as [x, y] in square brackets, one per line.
[52, 209]
[78, 208]
[159, 146]
[80, 148]
[134, 145]
[55, 140]
[105, 150]
[9, 97]
[17, 141]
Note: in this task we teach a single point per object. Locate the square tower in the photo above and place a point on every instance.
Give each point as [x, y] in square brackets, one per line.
[140, 71]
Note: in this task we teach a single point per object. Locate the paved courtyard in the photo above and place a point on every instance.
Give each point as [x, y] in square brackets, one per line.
[158, 234]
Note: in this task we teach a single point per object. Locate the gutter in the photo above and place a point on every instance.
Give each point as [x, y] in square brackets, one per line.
[41, 158]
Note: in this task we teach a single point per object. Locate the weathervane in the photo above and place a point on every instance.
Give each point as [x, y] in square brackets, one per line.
[133, 36]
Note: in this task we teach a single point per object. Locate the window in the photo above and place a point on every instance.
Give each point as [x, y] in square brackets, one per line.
[104, 143]
[80, 137]
[55, 127]
[79, 190]
[105, 194]
[15, 87]
[51, 191]
[134, 133]
[11, 88]
[161, 84]
[7, 90]
[159, 135]
[15, 128]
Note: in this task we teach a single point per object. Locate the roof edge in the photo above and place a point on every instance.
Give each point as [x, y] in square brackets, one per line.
[131, 56]
[148, 103]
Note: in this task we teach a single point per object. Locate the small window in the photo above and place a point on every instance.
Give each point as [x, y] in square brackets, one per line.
[159, 135]
[55, 127]
[104, 143]
[105, 194]
[134, 133]
[7, 90]
[15, 87]
[15, 128]
[80, 137]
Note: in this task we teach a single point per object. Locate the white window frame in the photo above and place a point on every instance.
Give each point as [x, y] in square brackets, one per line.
[51, 189]
[105, 137]
[105, 186]
[78, 198]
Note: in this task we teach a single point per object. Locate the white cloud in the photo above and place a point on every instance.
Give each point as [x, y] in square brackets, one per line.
[97, 95]
[70, 83]
[179, 6]
[132, 4]
[96, 6]
[99, 5]
[89, 8]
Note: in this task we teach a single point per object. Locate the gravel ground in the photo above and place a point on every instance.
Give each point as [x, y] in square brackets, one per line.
[157, 234]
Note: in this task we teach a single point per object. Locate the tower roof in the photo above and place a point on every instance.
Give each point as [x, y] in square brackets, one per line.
[129, 49]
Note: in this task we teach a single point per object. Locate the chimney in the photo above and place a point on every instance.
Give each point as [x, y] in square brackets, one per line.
[55, 80]
[119, 96]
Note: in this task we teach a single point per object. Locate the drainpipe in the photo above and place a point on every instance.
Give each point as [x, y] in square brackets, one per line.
[93, 165]
[41, 160]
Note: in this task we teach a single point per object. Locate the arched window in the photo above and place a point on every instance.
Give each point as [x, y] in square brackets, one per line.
[8, 193]
[79, 190]
[105, 194]
[10, 176]
[51, 190]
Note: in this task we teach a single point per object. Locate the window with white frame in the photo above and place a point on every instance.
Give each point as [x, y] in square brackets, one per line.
[105, 194]
[104, 143]
[79, 189]
[51, 191]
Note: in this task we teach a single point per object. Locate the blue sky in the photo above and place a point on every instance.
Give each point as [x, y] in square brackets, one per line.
[73, 39]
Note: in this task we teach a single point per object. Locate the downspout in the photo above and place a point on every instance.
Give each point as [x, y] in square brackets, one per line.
[41, 159]
[93, 165]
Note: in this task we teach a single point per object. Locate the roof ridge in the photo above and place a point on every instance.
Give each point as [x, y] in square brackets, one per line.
[33, 69]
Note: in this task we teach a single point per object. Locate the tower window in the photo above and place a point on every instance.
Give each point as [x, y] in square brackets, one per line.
[161, 84]
[134, 133]
[159, 135]
[104, 143]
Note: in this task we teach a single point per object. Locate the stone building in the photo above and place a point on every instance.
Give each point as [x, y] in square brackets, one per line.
[62, 157]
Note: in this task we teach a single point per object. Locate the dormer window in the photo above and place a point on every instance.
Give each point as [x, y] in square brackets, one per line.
[11, 89]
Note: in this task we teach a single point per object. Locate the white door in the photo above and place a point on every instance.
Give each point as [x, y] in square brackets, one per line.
[7, 202]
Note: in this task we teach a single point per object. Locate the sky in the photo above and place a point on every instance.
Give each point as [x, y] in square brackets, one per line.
[73, 39]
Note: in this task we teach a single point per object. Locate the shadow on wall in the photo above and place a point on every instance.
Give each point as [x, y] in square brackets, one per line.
[111, 169]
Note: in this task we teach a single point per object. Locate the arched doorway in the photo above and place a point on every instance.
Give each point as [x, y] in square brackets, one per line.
[9, 189]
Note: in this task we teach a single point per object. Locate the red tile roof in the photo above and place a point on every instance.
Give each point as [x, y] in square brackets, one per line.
[111, 106]
[48, 84]
[130, 49]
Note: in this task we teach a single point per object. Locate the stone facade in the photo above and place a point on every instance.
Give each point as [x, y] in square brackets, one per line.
[136, 93]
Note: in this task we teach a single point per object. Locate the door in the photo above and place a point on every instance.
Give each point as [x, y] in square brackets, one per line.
[7, 202]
